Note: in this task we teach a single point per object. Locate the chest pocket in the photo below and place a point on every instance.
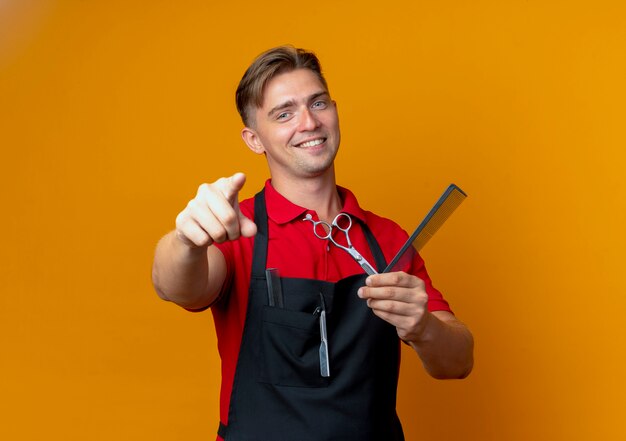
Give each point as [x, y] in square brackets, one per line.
[289, 339]
[289, 352]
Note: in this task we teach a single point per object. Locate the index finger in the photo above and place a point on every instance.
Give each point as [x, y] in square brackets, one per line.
[231, 186]
[399, 278]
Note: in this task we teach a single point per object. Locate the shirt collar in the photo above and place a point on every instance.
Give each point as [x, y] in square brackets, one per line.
[281, 210]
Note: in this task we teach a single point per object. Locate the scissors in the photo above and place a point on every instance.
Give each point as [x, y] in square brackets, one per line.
[342, 222]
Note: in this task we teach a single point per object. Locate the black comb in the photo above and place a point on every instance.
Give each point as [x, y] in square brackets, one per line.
[441, 211]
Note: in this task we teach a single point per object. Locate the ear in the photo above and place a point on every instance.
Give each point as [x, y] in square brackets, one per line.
[252, 140]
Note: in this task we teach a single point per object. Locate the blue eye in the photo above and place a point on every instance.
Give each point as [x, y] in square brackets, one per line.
[282, 115]
[320, 105]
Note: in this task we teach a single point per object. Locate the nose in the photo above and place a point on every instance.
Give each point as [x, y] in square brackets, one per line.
[308, 121]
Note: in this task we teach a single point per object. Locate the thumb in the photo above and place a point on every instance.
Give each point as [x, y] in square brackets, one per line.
[246, 226]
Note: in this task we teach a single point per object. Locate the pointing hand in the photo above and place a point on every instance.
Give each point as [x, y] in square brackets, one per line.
[213, 215]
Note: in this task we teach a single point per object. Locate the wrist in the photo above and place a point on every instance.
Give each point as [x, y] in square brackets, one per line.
[425, 333]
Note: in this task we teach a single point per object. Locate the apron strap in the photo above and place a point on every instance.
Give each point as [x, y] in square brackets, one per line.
[379, 257]
[222, 430]
[259, 256]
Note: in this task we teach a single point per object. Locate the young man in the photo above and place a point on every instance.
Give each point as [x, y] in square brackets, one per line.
[279, 381]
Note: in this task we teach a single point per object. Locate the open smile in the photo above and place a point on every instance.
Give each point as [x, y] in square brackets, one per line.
[311, 143]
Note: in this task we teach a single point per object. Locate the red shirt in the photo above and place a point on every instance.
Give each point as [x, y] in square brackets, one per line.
[294, 249]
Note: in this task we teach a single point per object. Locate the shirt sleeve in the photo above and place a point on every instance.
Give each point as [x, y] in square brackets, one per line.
[235, 253]
[436, 302]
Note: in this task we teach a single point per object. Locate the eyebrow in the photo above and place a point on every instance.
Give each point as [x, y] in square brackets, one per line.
[291, 103]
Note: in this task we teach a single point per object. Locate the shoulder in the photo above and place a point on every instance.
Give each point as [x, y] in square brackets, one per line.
[387, 232]
[376, 223]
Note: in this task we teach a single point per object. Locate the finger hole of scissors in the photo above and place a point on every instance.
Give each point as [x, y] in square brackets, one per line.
[343, 221]
[322, 230]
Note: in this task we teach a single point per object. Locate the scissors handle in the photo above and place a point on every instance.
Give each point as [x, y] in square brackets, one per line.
[326, 227]
[328, 230]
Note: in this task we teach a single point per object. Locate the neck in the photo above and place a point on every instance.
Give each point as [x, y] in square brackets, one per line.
[317, 193]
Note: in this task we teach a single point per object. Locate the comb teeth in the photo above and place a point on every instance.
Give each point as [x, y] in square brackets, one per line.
[439, 216]
[447, 203]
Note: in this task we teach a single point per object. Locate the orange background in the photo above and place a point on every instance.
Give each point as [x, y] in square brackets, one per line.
[113, 112]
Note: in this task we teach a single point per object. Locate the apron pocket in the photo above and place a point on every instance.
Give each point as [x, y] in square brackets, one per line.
[289, 349]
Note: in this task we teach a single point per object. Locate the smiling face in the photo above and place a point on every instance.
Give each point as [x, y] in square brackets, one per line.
[297, 126]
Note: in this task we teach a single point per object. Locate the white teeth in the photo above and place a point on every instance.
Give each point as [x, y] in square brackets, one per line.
[312, 143]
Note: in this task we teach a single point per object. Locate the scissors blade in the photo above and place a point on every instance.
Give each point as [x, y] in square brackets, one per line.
[369, 269]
